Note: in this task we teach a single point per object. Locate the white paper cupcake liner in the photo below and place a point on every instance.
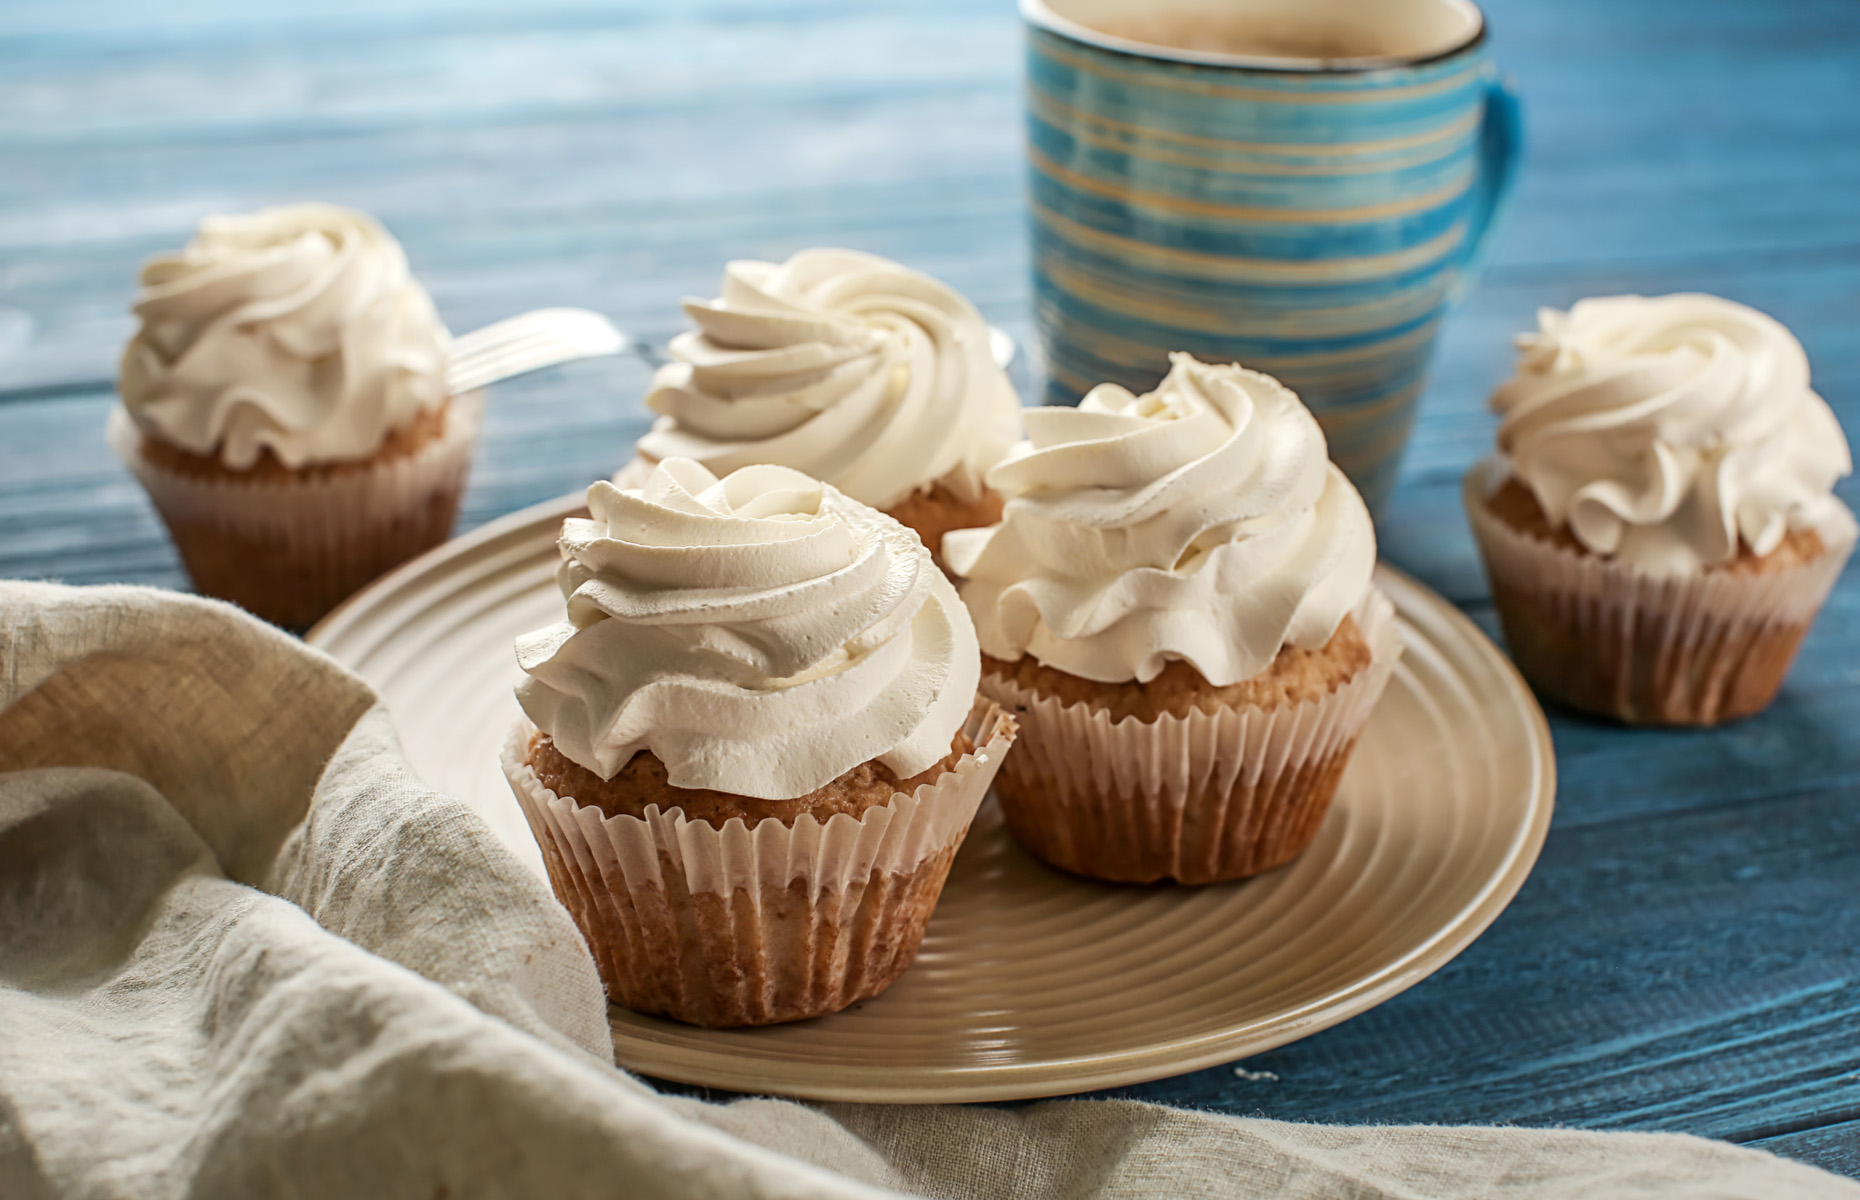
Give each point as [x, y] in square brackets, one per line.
[1604, 638]
[738, 926]
[291, 549]
[1195, 799]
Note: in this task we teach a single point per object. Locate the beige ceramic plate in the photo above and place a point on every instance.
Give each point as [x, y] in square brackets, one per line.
[1031, 983]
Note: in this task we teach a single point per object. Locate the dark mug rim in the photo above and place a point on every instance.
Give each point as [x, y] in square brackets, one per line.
[1037, 14]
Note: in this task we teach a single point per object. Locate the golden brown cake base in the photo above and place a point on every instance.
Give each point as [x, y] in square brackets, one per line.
[426, 427]
[643, 782]
[1645, 663]
[936, 510]
[1294, 676]
[751, 951]
[1226, 821]
[289, 544]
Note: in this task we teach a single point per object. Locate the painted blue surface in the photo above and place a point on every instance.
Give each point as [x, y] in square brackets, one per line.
[1313, 225]
[1686, 955]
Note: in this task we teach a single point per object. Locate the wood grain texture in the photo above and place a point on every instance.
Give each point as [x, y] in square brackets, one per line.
[1684, 957]
[1834, 1147]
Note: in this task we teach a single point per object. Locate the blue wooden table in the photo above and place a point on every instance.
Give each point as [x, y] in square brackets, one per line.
[1686, 955]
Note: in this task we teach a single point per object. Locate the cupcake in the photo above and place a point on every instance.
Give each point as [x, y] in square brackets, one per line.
[862, 373]
[1177, 608]
[1659, 524]
[751, 750]
[284, 404]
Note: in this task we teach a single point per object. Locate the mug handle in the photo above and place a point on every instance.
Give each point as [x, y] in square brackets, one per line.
[1501, 145]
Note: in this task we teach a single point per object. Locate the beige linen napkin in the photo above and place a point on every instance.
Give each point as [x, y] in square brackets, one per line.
[243, 952]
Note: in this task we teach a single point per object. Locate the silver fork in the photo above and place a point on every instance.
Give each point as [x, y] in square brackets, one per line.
[549, 336]
[528, 343]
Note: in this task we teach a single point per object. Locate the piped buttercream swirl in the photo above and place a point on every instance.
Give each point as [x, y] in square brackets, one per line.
[297, 330]
[1202, 521]
[1663, 431]
[761, 634]
[863, 373]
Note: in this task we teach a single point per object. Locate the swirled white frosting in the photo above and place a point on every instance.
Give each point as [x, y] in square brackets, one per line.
[297, 329]
[1202, 521]
[1663, 430]
[860, 372]
[761, 634]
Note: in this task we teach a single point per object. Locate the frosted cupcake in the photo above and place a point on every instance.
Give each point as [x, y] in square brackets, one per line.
[1177, 608]
[284, 404]
[753, 747]
[1659, 525]
[864, 374]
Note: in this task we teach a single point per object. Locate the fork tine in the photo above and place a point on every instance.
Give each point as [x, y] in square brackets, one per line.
[528, 342]
[536, 346]
[501, 366]
[578, 323]
[591, 336]
[508, 366]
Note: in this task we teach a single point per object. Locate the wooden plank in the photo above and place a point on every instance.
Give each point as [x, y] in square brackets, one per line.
[1834, 1147]
[1696, 972]
[69, 510]
[1683, 956]
[851, 129]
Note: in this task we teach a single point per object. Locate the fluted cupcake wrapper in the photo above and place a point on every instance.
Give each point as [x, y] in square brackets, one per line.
[1690, 650]
[291, 549]
[741, 926]
[1195, 799]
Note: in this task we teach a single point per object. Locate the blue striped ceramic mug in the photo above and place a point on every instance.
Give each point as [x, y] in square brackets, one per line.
[1301, 186]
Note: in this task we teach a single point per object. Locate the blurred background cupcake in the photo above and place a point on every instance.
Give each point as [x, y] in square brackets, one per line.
[754, 745]
[284, 404]
[865, 374]
[1659, 524]
[1177, 608]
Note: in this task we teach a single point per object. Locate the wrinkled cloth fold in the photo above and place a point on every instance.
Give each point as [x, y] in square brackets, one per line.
[244, 952]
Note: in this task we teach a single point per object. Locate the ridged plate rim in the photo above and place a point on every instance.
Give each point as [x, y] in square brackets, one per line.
[351, 631]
